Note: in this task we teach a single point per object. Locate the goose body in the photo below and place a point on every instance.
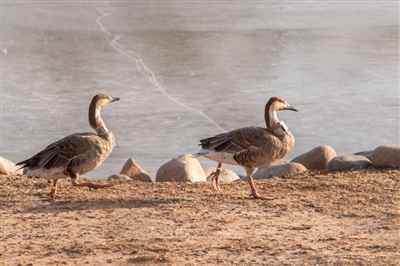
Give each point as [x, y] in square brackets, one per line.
[75, 154]
[83, 152]
[252, 147]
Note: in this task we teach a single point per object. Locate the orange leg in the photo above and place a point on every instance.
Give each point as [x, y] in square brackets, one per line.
[254, 193]
[215, 178]
[217, 174]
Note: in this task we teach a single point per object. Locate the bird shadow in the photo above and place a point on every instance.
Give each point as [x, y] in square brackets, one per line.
[100, 204]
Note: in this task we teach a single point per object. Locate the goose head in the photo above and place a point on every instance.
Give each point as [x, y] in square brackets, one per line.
[95, 120]
[274, 105]
[280, 104]
[102, 100]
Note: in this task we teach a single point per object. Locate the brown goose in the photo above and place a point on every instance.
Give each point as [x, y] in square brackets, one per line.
[251, 147]
[75, 154]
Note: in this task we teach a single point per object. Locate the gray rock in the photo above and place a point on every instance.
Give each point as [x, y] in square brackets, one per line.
[119, 178]
[288, 169]
[386, 156]
[184, 168]
[226, 176]
[316, 159]
[349, 162]
[133, 170]
[367, 154]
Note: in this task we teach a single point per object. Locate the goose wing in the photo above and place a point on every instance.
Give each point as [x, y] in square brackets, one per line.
[61, 152]
[249, 144]
[241, 139]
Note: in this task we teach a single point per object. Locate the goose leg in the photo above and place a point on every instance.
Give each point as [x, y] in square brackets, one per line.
[53, 189]
[75, 177]
[213, 181]
[217, 174]
[254, 193]
[215, 178]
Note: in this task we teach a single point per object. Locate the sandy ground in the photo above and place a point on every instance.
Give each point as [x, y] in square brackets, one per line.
[341, 219]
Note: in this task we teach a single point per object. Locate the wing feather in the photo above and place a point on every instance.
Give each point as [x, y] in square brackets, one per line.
[60, 153]
[250, 145]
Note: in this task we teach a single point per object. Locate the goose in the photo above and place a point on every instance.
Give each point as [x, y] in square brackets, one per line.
[75, 154]
[251, 147]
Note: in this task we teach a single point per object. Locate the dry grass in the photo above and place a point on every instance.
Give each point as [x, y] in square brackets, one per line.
[341, 218]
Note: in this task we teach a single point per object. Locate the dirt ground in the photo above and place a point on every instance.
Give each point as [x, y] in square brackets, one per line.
[348, 218]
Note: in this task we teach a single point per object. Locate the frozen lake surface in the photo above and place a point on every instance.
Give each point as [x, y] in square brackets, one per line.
[188, 69]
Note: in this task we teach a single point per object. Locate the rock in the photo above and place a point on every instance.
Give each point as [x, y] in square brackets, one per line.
[7, 167]
[316, 159]
[349, 162]
[119, 178]
[184, 168]
[367, 154]
[277, 162]
[133, 170]
[386, 156]
[288, 169]
[226, 176]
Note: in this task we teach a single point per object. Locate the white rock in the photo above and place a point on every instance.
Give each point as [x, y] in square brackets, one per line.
[7, 167]
[226, 176]
[184, 168]
[316, 159]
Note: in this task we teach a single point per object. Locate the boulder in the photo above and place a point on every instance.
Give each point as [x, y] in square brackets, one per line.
[184, 168]
[7, 167]
[226, 176]
[367, 154]
[316, 159]
[288, 169]
[119, 178]
[277, 162]
[349, 162]
[386, 156]
[133, 170]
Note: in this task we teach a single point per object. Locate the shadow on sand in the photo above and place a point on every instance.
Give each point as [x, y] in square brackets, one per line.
[99, 204]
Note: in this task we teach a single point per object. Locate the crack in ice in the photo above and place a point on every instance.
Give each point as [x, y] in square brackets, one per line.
[144, 69]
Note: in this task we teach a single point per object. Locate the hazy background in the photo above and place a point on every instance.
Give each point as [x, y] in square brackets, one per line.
[180, 65]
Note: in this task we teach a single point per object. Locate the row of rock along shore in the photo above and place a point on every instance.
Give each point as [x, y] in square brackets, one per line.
[186, 168]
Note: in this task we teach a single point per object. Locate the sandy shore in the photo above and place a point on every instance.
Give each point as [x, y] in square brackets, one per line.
[341, 218]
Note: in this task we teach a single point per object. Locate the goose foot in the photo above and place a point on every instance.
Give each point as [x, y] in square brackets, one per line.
[215, 178]
[215, 183]
[258, 196]
[255, 195]
[75, 183]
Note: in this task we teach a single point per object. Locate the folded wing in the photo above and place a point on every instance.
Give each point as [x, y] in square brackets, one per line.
[249, 145]
[60, 153]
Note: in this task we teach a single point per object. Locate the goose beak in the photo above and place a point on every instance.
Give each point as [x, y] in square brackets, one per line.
[115, 99]
[290, 108]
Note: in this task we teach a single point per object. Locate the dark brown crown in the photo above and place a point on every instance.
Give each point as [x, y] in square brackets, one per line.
[275, 99]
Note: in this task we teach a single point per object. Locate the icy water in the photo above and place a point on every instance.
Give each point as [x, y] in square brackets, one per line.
[189, 69]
